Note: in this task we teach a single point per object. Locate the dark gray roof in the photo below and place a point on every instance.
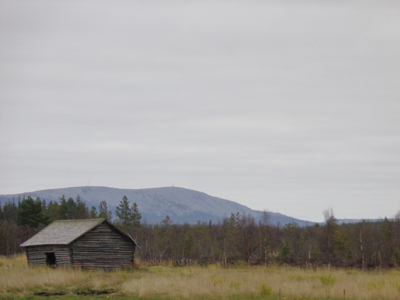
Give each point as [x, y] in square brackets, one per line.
[62, 232]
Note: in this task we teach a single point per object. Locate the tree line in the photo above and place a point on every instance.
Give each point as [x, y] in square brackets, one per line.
[236, 239]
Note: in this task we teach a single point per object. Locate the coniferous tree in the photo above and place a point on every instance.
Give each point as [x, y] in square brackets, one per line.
[9, 229]
[30, 213]
[93, 213]
[63, 209]
[136, 215]
[128, 216]
[104, 212]
[45, 211]
[10, 211]
[71, 209]
[123, 213]
[53, 210]
[81, 209]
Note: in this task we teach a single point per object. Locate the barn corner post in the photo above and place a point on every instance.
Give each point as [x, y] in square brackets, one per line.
[133, 262]
[133, 256]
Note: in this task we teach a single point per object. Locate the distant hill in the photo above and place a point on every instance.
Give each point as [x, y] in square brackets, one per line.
[352, 221]
[182, 205]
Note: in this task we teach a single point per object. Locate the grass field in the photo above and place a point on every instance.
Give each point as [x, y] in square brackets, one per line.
[18, 281]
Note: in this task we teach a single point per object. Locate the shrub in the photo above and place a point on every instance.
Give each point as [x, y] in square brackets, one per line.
[376, 285]
[241, 264]
[327, 280]
[266, 290]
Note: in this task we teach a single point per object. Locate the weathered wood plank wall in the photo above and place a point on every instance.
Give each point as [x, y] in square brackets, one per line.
[37, 255]
[103, 247]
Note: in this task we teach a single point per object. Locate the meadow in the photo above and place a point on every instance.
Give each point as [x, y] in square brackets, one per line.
[239, 281]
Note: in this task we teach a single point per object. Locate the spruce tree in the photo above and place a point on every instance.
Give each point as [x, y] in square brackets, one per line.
[30, 213]
[128, 216]
[104, 212]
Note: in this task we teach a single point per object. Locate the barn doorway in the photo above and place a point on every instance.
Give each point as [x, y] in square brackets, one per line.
[50, 259]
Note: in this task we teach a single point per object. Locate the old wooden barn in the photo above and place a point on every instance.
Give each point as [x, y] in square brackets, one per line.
[85, 243]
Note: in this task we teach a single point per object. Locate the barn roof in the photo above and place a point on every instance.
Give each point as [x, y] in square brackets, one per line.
[63, 232]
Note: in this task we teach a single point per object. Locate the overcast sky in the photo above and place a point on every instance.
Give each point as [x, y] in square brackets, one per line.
[289, 106]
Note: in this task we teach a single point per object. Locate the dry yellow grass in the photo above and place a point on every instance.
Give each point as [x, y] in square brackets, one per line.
[289, 282]
[16, 278]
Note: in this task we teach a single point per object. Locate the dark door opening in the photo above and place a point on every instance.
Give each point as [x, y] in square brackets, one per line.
[50, 259]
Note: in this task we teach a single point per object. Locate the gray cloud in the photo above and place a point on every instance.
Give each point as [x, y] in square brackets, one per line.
[279, 105]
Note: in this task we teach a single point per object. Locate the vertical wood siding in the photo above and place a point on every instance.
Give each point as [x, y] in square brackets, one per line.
[103, 247]
[37, 255]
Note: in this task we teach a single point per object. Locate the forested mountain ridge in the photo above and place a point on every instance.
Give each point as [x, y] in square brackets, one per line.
[181, 205]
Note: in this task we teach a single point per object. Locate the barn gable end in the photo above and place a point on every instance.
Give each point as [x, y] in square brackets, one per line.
[104, 246]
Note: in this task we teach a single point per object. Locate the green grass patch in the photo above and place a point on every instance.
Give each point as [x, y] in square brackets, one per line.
[327, 280]
[266, 290]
